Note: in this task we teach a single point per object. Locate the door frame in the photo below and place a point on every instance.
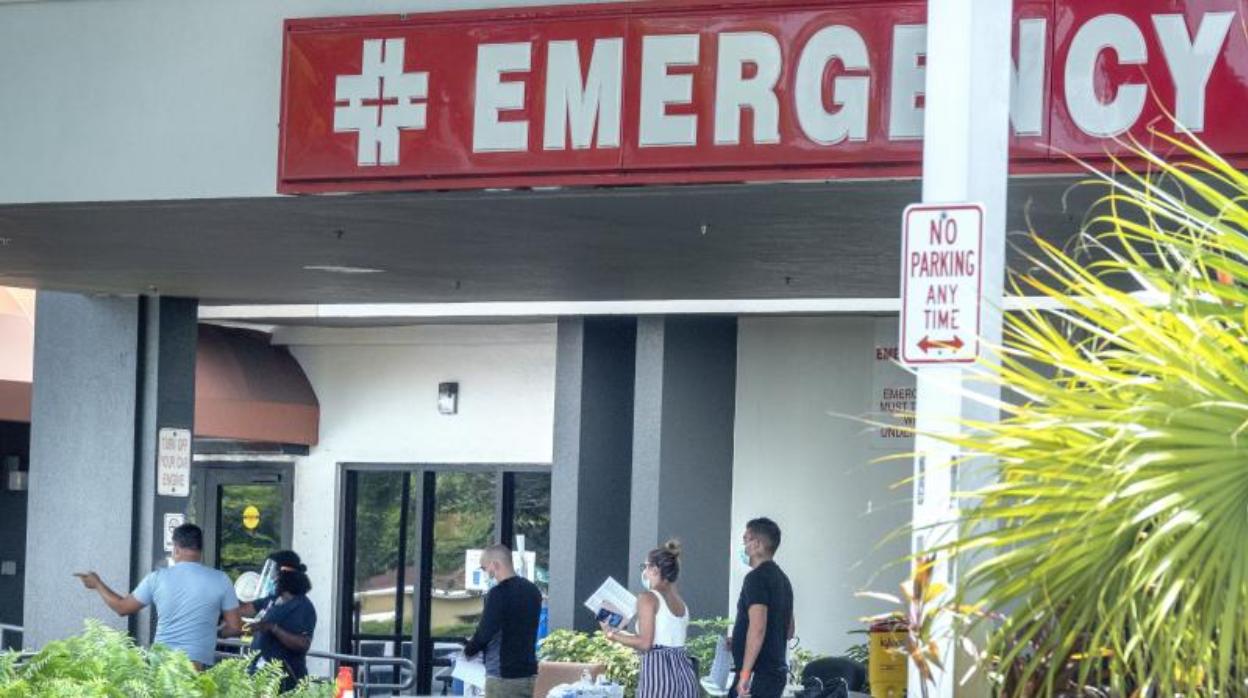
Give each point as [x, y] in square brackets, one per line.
[210, 475]
[422, 499]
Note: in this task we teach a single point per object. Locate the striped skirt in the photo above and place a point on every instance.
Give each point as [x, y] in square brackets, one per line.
[667, 672]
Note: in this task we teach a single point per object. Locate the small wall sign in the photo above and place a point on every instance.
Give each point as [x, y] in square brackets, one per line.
[251, 518]
[173, 463]
[172, 521]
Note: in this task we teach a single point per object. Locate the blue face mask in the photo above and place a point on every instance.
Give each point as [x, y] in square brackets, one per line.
[743, 556]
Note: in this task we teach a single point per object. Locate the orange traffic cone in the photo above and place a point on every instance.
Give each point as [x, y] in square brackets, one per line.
[344, 685]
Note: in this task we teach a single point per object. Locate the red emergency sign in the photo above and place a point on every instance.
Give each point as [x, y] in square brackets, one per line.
[695, 91]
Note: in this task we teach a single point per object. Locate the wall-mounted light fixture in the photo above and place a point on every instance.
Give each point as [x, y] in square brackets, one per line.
[448, 398]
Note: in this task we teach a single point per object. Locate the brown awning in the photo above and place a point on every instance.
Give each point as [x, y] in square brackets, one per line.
[17, 352]
[250, 390]
[245, 388]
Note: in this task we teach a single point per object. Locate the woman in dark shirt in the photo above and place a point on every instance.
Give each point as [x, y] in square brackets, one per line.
[283, 633]
[278, 561]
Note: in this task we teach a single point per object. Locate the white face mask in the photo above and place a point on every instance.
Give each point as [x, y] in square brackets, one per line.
[645, 582]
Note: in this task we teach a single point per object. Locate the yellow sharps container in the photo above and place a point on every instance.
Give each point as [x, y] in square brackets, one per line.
[888, 668]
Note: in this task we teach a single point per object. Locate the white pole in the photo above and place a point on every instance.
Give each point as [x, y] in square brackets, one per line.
[965, 159]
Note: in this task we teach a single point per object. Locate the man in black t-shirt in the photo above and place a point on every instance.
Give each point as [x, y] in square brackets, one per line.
[764, 622]
[507, 631]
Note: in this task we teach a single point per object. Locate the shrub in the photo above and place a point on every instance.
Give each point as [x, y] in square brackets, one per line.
[705, 634]
[622, 664]
[105, 663]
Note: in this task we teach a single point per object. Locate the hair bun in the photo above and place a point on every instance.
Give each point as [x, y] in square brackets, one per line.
[673, 547]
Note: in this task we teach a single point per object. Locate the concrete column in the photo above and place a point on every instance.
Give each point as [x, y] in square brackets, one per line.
[592, 462]
[169, 336]
[965, 159]
[109, 372]
[683, 450]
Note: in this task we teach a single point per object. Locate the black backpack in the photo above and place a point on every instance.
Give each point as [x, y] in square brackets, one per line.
[814, 687]
[832, 677]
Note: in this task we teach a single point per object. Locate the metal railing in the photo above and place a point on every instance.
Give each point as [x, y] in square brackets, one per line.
[364, 686]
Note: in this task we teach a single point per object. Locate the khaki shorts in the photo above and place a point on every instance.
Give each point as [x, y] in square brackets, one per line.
[509, 688]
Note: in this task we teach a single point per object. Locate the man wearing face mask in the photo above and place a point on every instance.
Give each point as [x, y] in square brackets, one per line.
[507, 631]
[189, 598]
[764, 623]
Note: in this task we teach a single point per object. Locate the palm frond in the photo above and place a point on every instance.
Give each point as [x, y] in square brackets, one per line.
[1112, 546]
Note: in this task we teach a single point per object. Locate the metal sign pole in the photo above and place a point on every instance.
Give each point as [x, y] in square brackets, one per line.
[965, 159]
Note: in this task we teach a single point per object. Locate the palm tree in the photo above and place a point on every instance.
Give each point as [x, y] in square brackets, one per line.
[1112, 547]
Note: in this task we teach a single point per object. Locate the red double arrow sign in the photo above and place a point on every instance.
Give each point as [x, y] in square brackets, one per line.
[927, 344]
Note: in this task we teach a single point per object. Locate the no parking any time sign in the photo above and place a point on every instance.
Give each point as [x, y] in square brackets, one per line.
[941, 280]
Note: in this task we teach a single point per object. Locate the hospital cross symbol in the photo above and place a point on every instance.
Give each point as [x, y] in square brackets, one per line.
[380, 101]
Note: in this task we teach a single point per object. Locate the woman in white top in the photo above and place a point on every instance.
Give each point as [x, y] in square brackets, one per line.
[662, 624]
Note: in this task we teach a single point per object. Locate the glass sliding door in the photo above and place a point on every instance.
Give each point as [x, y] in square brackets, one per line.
[246, 512]
[531, 519]
[379, 570]
[410, 544]
[462, 517]
[249, 526]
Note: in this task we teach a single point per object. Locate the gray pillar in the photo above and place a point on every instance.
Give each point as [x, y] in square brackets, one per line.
[592, 462]
[169, 336]
[107, 372]
[683, 450]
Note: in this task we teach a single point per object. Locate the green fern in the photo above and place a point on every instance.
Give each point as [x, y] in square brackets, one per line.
[105, 663]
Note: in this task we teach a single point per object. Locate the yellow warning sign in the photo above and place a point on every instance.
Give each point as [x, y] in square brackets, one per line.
[251, 518]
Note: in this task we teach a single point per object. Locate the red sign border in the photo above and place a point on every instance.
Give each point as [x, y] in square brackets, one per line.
[1049, 162]
[883, 169]
[905, 285]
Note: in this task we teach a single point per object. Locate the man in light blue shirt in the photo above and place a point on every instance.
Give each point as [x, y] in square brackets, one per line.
[190, 599]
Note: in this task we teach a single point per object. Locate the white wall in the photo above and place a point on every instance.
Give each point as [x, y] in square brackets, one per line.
[378, 392]
[811, 471]
[152, 99]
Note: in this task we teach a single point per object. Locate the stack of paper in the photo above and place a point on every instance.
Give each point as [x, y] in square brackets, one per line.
[469, 671]
[612, 604]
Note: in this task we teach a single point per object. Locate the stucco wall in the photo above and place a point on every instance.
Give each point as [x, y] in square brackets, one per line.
[811, 470]
[82, 448]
